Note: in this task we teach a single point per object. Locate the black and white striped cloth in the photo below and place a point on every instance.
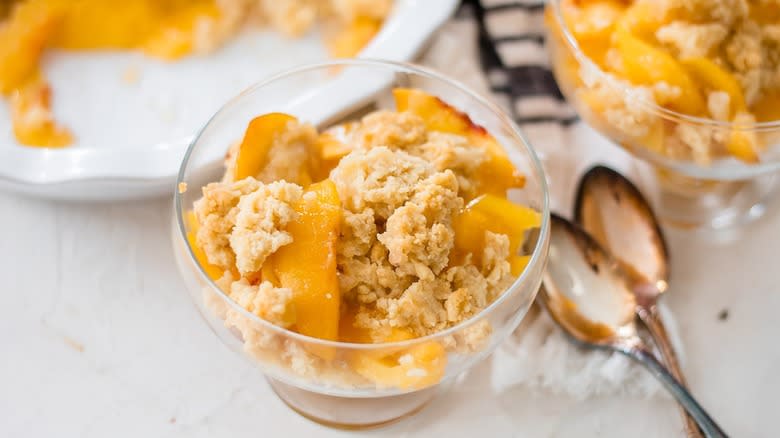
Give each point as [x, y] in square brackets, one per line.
[515, 60]
[516, 72]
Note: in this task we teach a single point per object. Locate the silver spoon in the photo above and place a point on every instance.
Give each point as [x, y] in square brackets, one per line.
[614, 212]
[588, 294]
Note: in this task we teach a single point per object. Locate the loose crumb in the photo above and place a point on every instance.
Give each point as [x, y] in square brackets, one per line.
[182, 187]
[74, 344]
[131, 75]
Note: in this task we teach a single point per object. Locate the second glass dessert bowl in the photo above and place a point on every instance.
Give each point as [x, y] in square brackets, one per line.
[345, 377]
[710, 172]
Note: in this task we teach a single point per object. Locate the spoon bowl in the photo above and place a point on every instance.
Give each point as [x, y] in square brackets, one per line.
[584, 287]
[588, 293]
[612, 210]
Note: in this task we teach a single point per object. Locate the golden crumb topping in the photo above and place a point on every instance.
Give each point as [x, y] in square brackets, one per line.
[714, 59]
[260, 224]
[216, 213]
[384, 248]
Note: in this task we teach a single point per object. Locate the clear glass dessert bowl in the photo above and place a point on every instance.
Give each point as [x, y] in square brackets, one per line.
[709, 173]
[344, 384]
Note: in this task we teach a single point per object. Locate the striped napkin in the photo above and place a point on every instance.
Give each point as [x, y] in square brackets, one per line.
[506, 59]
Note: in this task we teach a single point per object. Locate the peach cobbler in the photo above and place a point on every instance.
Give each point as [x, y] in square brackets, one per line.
[166, 29]
[713, 59]
[383, 229]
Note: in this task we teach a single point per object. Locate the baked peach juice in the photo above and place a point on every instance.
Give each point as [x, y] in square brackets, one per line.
[691, 87]
[386, 229]
[163, 29]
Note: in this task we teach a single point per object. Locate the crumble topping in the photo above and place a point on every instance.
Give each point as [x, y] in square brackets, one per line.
[260, 222]
[274, 304]
[397, 238]
[397, 188]
[720, 59]
[216, 213]
[692, 39]
[406, 131]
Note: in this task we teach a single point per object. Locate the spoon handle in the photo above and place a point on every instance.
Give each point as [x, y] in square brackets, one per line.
[652, 320]
[685, 398]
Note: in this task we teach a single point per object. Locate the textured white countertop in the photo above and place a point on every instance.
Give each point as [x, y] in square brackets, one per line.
[98, 338]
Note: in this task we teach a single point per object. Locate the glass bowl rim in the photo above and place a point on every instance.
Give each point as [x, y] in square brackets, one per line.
[582, 58]
[538, 256]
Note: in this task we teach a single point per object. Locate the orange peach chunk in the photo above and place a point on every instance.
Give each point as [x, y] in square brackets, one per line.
[743, 145]
[307, 266]
[414, 367]
[642, 19]
[212, 271]
[497, 174]
[644, 64]
[349, 40]
[333, 144]
[767, 107]
[518, 263]
[258, 140]
[715, 78]
[176, 35]
[23, 37]
[497, 215]
[592, 23]
[32, 119]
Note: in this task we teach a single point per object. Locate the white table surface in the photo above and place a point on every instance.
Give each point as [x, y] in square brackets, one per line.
[100, 339]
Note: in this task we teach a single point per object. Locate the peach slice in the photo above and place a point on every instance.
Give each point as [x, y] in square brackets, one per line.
[592, 23]
[405, 367]
[414, 367]
[351, 39]
[495, 214]
[348, 332]
[176, 34]
[32, 120]
[258, 140]
[743, 144]
[642, 19]
[497, 174]
[308, 265]
[518, 263]
[333, 144]
[765, 12]
[716, 78]
[767, 107]
[213, 272]
[23, 37]
[644, 64]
